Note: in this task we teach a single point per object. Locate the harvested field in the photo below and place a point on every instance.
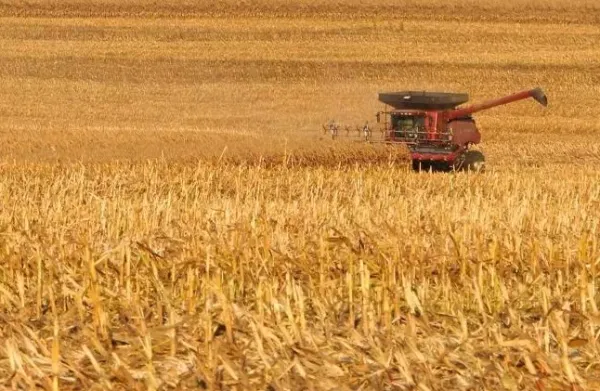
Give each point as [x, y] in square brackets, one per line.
[174, 217]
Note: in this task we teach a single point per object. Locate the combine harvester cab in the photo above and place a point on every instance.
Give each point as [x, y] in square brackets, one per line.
[436, 131]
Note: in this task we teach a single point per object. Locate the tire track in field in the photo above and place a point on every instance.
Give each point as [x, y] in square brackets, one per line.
[578, 13]
[190, 71]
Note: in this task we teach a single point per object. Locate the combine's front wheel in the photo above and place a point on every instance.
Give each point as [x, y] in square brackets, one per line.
[434, 166]
[471, 161]
[421, 165]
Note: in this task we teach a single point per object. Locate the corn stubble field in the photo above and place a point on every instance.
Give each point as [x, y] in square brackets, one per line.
[173, 217]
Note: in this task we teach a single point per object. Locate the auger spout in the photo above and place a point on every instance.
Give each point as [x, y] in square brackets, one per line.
[536, 94]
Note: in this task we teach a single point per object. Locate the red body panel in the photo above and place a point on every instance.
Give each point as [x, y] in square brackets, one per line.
[464, 132]
[439, 157]
[442, 140]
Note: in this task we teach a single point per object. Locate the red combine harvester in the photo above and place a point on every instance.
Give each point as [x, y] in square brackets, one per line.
[436, 132]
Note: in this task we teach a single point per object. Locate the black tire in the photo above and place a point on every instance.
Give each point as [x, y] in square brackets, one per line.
[420, 165]
[443, 166]
[471, 161]
[433, 166]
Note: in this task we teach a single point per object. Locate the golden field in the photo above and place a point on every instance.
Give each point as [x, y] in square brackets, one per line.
[174, 218]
